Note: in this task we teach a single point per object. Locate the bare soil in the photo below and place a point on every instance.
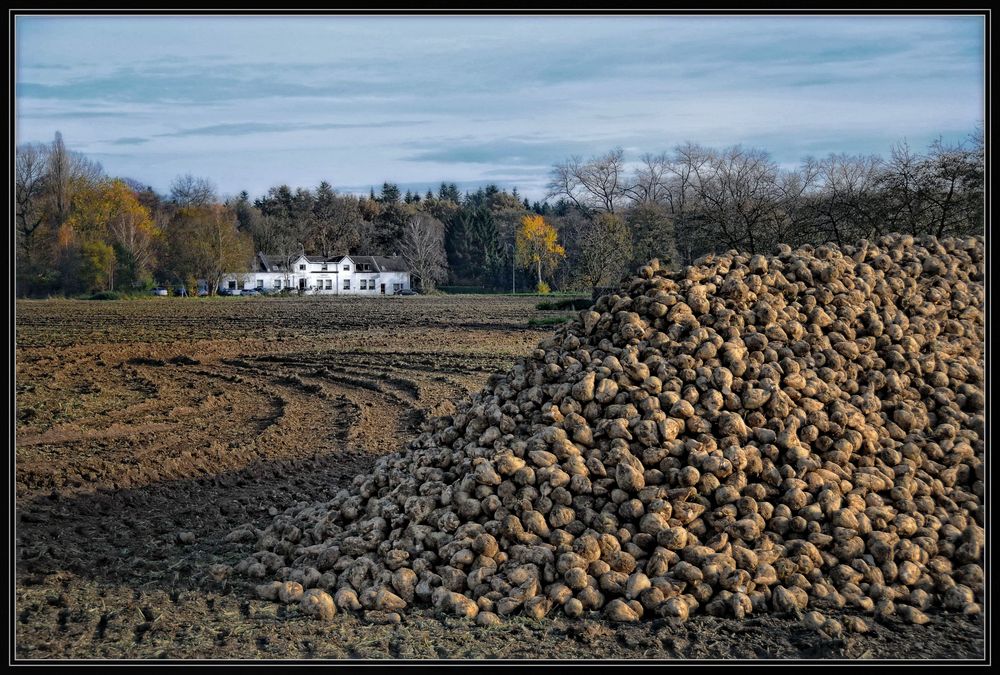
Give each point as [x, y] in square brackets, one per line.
[137, 421]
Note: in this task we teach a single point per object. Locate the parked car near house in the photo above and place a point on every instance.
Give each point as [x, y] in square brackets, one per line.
[160, 290]
[406, 291]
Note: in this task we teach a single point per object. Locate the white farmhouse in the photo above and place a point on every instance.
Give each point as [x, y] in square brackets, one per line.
[318, 275]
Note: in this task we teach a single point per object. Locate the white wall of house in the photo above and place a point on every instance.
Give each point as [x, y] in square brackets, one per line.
[341, 278]
[394, 281]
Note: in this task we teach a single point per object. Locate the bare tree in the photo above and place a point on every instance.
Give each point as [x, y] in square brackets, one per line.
[649, 183]
[67, 172]
[59, 175]
[738, 191]
[740, 198]
[136, 186]
[680, 199]
[30, 173]
[797, 188]
[423, 250]
[288, 247]
[904, 194]
[188, 190]
[953, 178]
[605, 250]
[597, 184]
[846, 206]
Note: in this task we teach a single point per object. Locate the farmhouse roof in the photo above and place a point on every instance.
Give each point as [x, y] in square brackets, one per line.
[365, 260]
[387, 264]
[271, 263]
[378, 263]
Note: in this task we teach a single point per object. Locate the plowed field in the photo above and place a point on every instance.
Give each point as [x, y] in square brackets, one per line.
[147, 431]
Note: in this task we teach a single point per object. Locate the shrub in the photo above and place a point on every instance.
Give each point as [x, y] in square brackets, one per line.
[568, 303]
[106, 295]
[549, 320]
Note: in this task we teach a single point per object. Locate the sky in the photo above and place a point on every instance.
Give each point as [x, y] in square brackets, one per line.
[252, 102]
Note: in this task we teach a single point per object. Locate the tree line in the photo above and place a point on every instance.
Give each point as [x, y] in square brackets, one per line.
[740, 198]
[79, 231]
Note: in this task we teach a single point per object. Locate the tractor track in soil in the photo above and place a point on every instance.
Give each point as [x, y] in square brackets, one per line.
[139, 420]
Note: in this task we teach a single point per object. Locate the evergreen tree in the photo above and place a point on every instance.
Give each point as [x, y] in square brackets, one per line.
[449, 192]
[245, 212]
[334, 223]
[457, 246]
[652, 235]
[390, 193]
[486, 241]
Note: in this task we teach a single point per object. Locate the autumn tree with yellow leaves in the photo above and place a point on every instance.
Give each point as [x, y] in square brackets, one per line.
[203, 242]
[112, 232]
[537, 246]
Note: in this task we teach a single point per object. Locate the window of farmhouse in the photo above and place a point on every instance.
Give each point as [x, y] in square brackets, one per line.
[302, 267]
[277, 283]
[397, 287]
[347, 284]
[260, 283]
[329, 284]
[347, 268]
[232, 284]
[364, 284]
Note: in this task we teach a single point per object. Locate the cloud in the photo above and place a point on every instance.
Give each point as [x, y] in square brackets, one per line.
[76, 114]
[129, 85]
[516, 153]
[248, 128]
[255, 101]
[500, 151]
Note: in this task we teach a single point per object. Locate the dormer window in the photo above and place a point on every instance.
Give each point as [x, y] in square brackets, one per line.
[302, 267]
[347, 268]
[324, 267]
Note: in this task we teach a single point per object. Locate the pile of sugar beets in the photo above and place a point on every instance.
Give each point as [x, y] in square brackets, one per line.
[753, 433]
